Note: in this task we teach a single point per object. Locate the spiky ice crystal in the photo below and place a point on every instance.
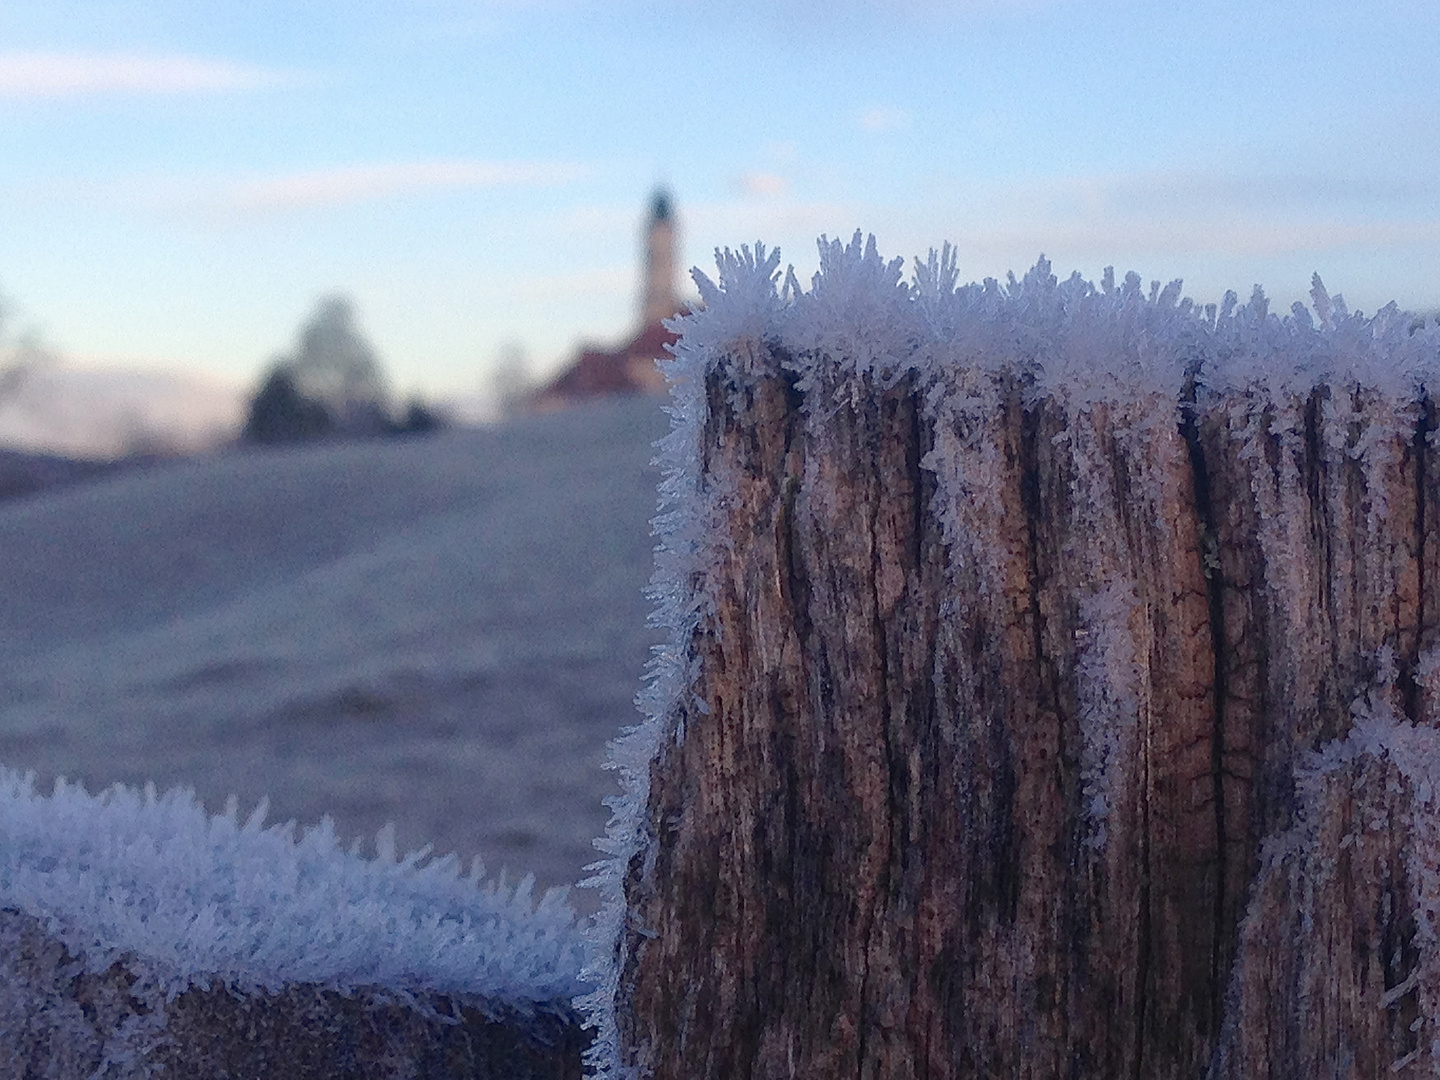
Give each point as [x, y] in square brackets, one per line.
[1134, 351]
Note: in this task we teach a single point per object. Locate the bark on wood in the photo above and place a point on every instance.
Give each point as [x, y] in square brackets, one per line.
[889, 840]
[59, 1022]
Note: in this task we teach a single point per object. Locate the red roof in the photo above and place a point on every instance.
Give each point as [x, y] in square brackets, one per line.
[629, 369]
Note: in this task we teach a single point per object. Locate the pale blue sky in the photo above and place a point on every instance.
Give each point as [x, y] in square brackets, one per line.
[180, 181]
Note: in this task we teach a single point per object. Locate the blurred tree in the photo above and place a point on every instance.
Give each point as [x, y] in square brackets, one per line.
[280, 413]
[331, 383]
[26, 356]
[420, 419]
[512, 383]
[335, 365]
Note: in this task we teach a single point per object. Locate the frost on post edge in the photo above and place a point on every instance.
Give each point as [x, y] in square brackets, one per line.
[860, 327]
[737, 316]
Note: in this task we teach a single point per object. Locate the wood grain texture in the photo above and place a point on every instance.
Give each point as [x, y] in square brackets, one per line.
[879, 850]
[1328, 981]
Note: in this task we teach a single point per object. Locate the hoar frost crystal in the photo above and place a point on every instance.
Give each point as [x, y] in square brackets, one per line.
[1122, 380]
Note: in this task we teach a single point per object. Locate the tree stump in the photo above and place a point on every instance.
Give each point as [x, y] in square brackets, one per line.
[1043, 658]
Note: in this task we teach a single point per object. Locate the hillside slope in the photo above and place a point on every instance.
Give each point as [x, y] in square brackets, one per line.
[442, 633]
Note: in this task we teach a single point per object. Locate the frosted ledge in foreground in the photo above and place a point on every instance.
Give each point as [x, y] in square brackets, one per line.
[131, 923]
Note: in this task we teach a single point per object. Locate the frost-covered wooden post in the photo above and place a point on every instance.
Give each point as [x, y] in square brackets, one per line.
[1050, 690]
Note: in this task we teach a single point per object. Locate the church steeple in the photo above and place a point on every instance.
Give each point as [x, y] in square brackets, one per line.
[631, 368]
[658, 298]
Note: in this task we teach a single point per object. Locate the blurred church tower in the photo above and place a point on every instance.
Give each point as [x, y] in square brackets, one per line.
[658, 299]
[630, 368]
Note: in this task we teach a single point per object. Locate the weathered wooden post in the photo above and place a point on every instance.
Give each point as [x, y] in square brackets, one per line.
[141, 936]
[1051, 690]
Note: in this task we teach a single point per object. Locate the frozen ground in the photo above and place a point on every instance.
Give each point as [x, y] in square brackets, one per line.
[440, 633]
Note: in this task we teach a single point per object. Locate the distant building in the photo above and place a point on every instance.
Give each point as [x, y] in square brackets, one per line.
[630, 369]
[658, 299]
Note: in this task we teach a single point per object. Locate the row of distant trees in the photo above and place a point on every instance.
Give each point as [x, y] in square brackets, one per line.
[20, 358]
[330, 385]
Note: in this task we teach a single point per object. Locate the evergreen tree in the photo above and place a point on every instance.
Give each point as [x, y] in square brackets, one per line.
[280, 413]
[335, 365]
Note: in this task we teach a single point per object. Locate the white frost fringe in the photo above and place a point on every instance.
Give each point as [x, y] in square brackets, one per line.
[860, 326]
[184, 898]
[1380, 733]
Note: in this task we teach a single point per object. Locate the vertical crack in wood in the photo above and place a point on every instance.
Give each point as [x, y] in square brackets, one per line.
[1318, 489]
[918, 898]
[1409, 637]
[1420, 448]
[1045, 694]
[1046, 700]
[1215, 598]
[883, 888]
[1143, 983]
[1427, 511]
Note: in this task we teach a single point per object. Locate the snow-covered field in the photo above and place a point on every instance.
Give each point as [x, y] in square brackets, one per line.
[440, 633]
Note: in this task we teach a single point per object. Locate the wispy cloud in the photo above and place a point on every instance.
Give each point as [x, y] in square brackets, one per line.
[56, 74]
[1237, 238]
[783, 151]
[1247, 215]
[229, 199]
[361, 183]
[1200, 192]
[763, 184]
[880, 118]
